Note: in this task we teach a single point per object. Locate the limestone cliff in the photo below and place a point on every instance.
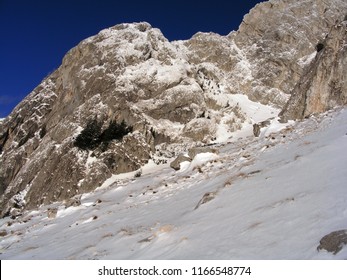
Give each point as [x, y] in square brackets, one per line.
[128, 73]
[278, 36]
[324, 82]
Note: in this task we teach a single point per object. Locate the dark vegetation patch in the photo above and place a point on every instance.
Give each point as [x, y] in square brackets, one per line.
[92, 135]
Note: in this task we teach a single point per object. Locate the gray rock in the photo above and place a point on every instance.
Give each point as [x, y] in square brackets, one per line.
[16, 212]
[177, 162]
[73, 201]
[192, 152]
[206, 198]
[324, 82]
[258, 126]
[256, 130]
[52, 213]
[333, 242]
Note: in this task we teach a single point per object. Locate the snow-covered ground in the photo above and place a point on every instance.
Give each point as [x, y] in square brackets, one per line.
[272, 197]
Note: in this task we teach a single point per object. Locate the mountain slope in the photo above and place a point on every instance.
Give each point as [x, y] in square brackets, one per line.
[273, 198]
[127, 96]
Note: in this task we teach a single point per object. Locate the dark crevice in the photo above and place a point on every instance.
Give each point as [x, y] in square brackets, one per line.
[319, 47]
[3, 140]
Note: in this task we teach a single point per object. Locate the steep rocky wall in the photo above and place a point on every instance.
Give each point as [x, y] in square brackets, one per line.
[324, 82]
[39, 162]
[277, 36]
[130, 73]
[265, 58]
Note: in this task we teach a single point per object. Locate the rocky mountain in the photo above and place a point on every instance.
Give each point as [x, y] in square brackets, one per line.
[127, 95]
[324, 81]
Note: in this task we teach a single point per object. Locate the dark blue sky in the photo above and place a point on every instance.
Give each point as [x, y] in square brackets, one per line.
[36, 34]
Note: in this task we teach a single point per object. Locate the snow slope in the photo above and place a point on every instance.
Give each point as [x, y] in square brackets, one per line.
[272, 197]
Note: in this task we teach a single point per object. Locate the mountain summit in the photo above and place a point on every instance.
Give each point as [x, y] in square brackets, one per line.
[127, 96]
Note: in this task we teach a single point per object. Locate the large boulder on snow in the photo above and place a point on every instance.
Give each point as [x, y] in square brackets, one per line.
[333, 242]
[176, 164]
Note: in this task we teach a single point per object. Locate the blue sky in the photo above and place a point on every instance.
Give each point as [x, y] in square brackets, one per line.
[35, 35]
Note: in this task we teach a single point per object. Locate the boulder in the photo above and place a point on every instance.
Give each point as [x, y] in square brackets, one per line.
[52, 213]
[73, 201]
[256, 130]
[192, 152]
[258, 126]
[333, 242]
[176, 164]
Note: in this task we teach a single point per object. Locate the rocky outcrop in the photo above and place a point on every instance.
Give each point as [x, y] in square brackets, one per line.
[176, 164]
[207, 197]
[278, 37]
[258, 126]
[52, 213]
[192, 152]
[324, 83]
[128, 73]
[267, 56]
[100, 78]
[333, 242]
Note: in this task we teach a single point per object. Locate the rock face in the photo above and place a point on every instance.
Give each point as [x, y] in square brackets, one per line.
[173, 95]
[278, 38]
[128, 73]
[324, 83]
[266, 57]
